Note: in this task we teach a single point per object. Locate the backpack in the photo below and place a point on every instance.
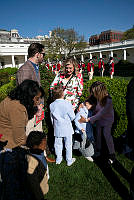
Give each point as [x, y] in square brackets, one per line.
[13, 175]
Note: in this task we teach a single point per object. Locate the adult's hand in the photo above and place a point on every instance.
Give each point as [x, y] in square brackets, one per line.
[82, 120]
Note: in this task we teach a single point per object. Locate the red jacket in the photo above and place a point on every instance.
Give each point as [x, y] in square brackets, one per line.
[83, 66]
[100, 64]
[54, 67]
[89, 67]
[111, 68]
[58, 67]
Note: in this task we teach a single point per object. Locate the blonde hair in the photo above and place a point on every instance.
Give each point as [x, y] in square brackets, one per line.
[100, 93]
[72, 61]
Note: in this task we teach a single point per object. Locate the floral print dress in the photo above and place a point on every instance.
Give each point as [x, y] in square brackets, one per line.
[72, 88]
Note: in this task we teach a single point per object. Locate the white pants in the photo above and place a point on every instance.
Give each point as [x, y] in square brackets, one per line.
[90, 74]
[111, 75]
[58, 145]
[102, 72]
[30, 126]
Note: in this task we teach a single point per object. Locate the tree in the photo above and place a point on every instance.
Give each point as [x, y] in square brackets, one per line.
[62, 42]
[129, 34]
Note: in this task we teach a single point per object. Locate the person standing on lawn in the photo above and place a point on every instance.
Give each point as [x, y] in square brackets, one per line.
[101, 67]
[71, 80]
[103, 118]
[90, 69]
[30, 70]
[62, 115]
[111, 67]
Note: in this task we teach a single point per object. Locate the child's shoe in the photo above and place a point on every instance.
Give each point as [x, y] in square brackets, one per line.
[70, 163]
[58, 162]
[89, 158]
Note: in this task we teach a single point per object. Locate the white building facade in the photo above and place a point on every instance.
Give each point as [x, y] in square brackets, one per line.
[14, 50]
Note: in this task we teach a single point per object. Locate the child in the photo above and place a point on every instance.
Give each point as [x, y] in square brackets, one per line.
[104, 118]
[85, 129]
[62, 114]
[37, 165]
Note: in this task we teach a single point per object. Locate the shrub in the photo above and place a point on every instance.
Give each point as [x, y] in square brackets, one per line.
[117, 89]
[7, 74]
[46, 79]
[5, 89]
[9, 70]
[4, 78]
[124, 68]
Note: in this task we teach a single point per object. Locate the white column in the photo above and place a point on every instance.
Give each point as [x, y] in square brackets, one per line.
[90, 56]
[100, 55]
[13, 61]
[82, 58]
[125, 54]
[25, 58]
[74, 57]
[111, 53]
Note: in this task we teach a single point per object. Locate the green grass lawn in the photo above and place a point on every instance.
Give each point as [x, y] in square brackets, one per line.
[86, 180]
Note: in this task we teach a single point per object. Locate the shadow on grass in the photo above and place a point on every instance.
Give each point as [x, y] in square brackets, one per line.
[112, 177]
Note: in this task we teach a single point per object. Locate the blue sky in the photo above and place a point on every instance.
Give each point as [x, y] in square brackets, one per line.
[87, 17]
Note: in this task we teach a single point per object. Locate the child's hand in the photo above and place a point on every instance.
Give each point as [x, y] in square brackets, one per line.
[80, 106]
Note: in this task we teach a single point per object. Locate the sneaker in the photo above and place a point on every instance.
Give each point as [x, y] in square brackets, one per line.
[58, 162]
[111, 161]
[89, 158]
[73, 160]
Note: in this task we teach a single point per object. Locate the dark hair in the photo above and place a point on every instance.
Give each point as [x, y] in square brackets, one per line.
[25, 93]
[35, 138]
[57, 92]
[92, 100]
[35, 48]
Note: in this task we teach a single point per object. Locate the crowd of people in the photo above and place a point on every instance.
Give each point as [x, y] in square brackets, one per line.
[79, 126]
[88, 68]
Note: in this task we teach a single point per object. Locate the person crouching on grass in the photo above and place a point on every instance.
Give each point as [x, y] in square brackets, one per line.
[85, 130]
[37, 174]
[62, 115]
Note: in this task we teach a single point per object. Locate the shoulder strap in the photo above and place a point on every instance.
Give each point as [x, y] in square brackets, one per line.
[68, 82]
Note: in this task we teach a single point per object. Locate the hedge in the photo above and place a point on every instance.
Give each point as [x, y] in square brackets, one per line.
[117, 89]
[9, 70]
[6, 74]
[5, 89]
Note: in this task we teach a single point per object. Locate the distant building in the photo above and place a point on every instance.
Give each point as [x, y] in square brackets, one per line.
[13, 47]
[108, 36]
[13, 36]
